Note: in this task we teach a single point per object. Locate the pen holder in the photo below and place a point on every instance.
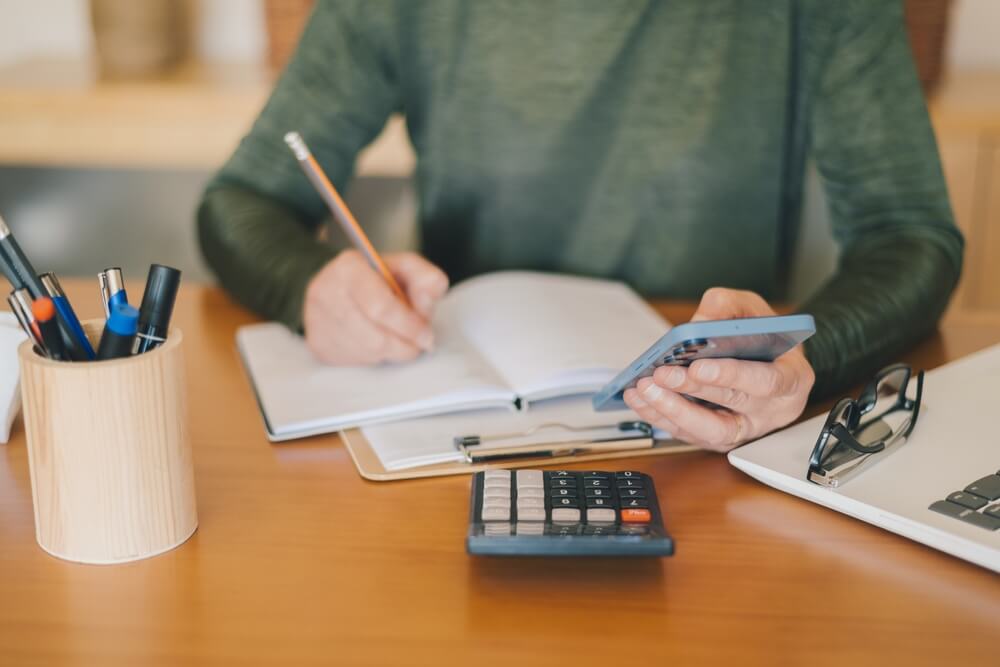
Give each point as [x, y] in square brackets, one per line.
[112, 478]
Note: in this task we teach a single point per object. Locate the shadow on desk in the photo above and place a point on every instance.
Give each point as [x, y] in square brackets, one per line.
[528, 574]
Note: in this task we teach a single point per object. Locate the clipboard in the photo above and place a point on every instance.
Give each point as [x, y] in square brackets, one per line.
[370, 467]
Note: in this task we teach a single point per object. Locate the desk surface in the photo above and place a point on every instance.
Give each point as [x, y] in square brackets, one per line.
[299, 561]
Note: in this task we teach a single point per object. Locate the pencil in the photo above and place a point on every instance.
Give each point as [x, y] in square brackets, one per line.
[343, 215]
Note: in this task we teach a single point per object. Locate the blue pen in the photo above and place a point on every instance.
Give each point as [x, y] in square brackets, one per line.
[66, 314]
[112, 289]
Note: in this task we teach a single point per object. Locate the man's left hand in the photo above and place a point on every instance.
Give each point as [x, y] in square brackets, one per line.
[758, 397]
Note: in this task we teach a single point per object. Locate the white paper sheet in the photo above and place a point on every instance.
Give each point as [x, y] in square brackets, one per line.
[11, 337]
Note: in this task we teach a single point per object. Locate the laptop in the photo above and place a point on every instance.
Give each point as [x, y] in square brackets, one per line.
[950, 462]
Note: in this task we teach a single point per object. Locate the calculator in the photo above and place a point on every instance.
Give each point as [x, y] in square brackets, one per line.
[565, 513]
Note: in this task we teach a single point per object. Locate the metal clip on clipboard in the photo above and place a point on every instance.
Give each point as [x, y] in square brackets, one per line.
[554, 439]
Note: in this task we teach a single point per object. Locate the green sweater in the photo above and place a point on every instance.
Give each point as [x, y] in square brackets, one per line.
[659, 143]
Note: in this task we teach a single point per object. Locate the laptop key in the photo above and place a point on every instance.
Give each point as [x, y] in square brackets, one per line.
[969, 500]
[965, 514]
[988, 487]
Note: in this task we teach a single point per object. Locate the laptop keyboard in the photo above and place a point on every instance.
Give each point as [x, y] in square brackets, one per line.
[976, 504]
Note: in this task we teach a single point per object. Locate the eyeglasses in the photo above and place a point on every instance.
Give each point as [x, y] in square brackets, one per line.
[856, 430]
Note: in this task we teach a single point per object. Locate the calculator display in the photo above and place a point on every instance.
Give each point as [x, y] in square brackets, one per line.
[565, 513]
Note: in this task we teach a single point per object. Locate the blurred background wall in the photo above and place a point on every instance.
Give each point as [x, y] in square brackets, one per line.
[99, 169]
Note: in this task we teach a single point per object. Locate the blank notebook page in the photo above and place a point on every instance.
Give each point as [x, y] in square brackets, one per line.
[548, 335]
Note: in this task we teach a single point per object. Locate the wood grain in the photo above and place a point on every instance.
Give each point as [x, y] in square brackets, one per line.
[109, 452]
[299, 561]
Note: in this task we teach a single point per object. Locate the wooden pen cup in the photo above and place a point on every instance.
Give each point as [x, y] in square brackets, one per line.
[112, 477]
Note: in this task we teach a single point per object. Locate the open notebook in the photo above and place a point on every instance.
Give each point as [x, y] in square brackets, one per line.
[502, 340]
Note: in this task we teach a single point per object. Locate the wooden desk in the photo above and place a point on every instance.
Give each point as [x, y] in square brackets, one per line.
[298, 561]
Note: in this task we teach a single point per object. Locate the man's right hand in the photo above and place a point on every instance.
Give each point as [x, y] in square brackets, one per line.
[352, 317]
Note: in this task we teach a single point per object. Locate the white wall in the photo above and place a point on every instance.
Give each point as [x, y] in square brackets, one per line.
[974, 42]
[226, 30]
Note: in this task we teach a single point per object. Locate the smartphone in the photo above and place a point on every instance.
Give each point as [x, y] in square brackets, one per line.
[749, 339]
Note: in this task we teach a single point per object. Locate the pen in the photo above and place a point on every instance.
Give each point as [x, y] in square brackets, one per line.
[119, 332]
[45, 316]
[26, 318]
[325, 188]
[16, 266]
[112, 289]
[157, 306]
[66, 314]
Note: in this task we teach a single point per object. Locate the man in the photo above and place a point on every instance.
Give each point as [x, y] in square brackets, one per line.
[661, 143]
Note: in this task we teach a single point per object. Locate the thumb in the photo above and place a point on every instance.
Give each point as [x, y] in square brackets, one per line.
[720, 303]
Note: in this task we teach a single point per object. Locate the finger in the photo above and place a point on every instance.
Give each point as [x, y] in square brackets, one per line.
[649, 415]
[715, 429]
[763, 379]
[423, 282]
[720, 303]
[374, 343]
[378, 303]
[679, 380]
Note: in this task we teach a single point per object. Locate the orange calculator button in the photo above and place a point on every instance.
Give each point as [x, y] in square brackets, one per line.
[635, 516]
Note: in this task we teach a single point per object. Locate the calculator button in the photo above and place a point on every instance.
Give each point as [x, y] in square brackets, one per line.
[568, 514]
[598, 493]
[496, 492]
[503, 475]
[560, 482]
[636, 515]
[630, 484]
[527, 503]
[601, 515]
[531, 514]
[597, 484]
[505, 506]
[595, 474]
[561, 473]
[635, 502]
[563, 529]
[600, 502]
[531, 492]
[565, 502]
[496, 484]
[496, 513]
[496, 528]
[529, 478]
[563, 493]
[530, 528]
[628, 474]
[631, 493]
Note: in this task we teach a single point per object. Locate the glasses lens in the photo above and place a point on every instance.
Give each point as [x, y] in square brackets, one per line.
[888, 388]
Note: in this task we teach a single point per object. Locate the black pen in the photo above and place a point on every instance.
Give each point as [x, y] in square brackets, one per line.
[48, 325]
[119, 333]
[16, 266]
[157, 306]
